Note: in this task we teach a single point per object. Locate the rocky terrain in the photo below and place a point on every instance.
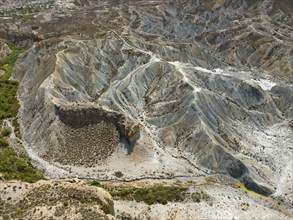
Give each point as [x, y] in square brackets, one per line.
[136, 90]
[54, 200]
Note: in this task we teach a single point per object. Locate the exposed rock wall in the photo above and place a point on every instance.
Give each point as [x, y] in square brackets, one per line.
[78, 116]
[89, 135]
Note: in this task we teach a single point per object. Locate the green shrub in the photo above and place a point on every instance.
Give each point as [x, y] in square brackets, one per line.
[161, 194]
[6, 132]
[95, 183]
[124, 194]
[8, 88]
[3, 142]
[255, 38]
[118, 174]
[157, 194]
[65, 203]
[15, 125]
[13, 167]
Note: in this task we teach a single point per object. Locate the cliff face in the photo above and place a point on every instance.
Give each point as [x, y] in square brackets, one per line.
[82, 115]
[88, 134]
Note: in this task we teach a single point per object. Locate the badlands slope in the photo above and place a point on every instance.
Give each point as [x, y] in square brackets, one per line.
[159, 90]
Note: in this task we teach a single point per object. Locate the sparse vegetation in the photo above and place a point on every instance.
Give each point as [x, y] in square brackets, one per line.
[55, 197]
[158, 194]
[12, 166]
[200, 196]
[8, 102]
[155, 194]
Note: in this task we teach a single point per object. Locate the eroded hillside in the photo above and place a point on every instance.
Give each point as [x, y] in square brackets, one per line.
[115, 90]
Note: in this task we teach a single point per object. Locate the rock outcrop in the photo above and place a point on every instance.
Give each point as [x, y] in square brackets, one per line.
[80, 115]
[4, 50]
[88, 134]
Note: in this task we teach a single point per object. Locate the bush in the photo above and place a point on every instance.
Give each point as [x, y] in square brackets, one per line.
[65, 203]
[13, 167]
[160, 194]
[6, 132]
[156, 194]
[118, 174]
[8, 102]
[95, 183]
[15, 125]
[3, 142]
